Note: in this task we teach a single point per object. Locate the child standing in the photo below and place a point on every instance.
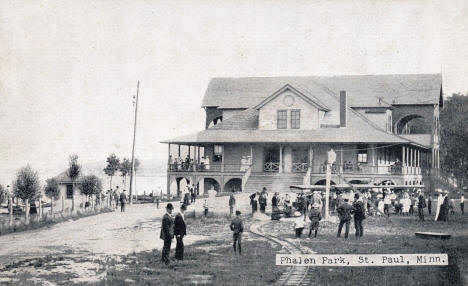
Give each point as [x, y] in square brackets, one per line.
[298, 224]
[205, 206]
[315, 217]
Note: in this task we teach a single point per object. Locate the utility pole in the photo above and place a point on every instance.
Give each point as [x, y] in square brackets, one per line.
[133, 148]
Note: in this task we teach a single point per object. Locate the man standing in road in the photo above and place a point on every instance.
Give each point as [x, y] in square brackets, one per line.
[123, 201]
[167, 233]
[180, 230]
[359, 215]
[232, 204]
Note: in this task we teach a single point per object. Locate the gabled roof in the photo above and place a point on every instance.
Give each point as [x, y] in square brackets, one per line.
[243, 128]
[362, 90]
[302, 94]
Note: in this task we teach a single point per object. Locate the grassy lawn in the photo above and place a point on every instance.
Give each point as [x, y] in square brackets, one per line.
[209, 262]
[392, 236]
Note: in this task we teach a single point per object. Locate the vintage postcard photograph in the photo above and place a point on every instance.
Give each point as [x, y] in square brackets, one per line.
[150, 142]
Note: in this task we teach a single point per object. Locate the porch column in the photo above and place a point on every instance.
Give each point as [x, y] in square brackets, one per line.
[189, 147]
[251, 155]
[168, 153]
[222, 160]
[168, 186]
[311, 156]
[281, 159]
[198, 156]
[178, 151]
[341, 160]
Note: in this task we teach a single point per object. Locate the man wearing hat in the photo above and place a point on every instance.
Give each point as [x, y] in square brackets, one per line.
[344, 214]
[315, 217]
[237, 228]
[359, 215]
[180, 230]
[167, 233]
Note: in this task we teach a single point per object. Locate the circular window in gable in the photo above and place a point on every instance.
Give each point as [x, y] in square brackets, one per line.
[288, 100]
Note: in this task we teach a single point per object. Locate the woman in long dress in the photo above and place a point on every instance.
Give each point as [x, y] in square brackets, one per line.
[444, 209]
[440, 200]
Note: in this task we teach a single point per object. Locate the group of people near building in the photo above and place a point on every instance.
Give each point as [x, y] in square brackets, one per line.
[178, 164]
[189, 194]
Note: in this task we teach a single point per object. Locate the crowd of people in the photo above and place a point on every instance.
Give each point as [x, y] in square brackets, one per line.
[307, 209]
[179, 164]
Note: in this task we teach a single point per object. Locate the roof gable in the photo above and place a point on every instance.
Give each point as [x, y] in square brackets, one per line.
[302, 94]
[362, 90]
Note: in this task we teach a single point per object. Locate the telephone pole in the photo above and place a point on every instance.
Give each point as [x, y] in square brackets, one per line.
[133, 148]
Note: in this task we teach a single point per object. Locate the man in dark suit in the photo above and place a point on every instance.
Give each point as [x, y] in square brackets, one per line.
[359, 215]
[167, 233]
[123, 201]
[344, 214]
[180, 231]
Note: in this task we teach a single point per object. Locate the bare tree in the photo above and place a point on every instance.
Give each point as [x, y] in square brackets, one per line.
[52, 191]
[74, 171]
[26, 186]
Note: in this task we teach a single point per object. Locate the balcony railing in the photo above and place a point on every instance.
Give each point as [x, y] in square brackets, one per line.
[192, 167]
[273, 167]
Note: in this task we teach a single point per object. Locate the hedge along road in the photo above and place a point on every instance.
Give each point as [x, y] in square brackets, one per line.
[113, 233]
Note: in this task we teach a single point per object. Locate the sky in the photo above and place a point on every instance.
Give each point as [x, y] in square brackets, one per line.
[69, 69]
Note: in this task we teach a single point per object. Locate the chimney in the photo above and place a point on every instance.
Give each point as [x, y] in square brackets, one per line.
[343, 106]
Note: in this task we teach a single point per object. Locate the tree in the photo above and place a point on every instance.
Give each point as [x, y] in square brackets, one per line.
[74, 171]
[113, 164]
[454, 137]
[26, 186]
[91, 185]
[52, 191]
[3, 194]
[125, 169]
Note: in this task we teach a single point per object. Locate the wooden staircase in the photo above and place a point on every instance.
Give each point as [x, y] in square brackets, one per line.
[274, 182]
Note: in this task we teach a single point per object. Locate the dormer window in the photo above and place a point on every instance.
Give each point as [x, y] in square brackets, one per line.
[295, 119]
[282, 119]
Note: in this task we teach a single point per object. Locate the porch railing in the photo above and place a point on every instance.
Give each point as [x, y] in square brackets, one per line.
[271, 167]
[300, 167]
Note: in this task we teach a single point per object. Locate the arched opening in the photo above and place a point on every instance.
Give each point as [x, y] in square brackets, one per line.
[323, 182]
[413, 124]
[210, 183]
[233, 185]
[178, 185]
[215, 121]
